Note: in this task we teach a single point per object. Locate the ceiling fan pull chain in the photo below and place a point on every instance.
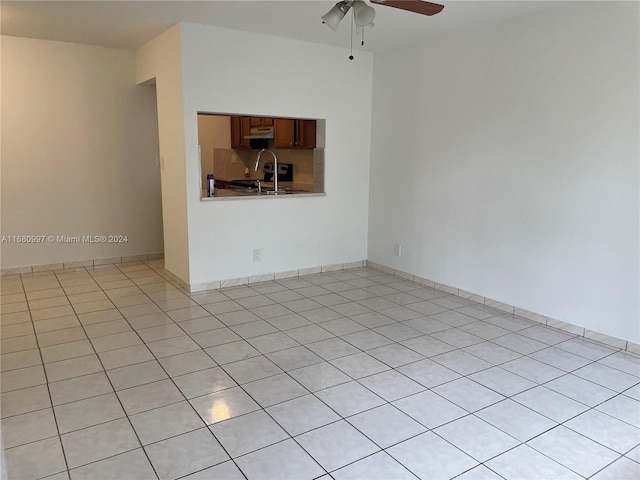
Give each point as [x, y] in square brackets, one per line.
[362, 42]
[353, 19]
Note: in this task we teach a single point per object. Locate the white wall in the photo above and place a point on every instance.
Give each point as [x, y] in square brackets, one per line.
[159, 62]
[79, 146]
[506, 163]
[239, 72]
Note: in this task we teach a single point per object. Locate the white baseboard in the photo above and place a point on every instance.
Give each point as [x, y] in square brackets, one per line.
[521, 312]
[489, 302]
[81, 263]
[232, 282]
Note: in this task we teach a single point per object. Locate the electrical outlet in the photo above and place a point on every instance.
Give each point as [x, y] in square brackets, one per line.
[257, 255]
[397, 249]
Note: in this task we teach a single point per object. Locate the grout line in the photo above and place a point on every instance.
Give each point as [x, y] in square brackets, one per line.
[46, 377]
[157, 360]
[319, 324]
[114, 392]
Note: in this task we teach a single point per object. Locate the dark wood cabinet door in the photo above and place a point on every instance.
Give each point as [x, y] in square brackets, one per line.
[306, 133]
[285, 129]
[246, 130]
[240, 126]
[236, 132]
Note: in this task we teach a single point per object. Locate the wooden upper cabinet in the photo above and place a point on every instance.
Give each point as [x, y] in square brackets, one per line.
[285, 133]
[240, 126]
[306, 133]
[261, 122]
[236, 131]
[290, 133]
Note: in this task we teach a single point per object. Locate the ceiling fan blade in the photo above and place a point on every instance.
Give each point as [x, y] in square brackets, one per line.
[415, 6]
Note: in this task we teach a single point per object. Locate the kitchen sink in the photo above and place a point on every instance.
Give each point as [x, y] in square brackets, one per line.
[251, 186]
[253, 192]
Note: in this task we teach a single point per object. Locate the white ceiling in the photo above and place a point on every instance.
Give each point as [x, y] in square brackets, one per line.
[130, 24]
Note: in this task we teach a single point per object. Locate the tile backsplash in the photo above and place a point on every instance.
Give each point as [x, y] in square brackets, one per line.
[229, 164]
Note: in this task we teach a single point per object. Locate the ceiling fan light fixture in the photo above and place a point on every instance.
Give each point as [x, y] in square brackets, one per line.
[359, 30]
[363, 13]
[334, 16]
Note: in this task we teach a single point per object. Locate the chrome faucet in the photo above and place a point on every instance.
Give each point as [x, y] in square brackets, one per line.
[275, 168]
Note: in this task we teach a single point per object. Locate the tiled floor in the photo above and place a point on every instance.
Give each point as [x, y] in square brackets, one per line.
[114, 373]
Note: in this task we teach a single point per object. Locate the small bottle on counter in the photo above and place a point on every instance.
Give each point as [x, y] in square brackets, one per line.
[211, 185]
[246, 172]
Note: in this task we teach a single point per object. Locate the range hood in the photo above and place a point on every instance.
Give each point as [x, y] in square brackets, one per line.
[264, 133]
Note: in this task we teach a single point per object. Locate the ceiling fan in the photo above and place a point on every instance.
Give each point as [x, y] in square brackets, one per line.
[363, 14]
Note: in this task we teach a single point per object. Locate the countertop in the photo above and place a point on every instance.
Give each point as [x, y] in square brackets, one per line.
[281, 184]
[227, 194]
[300, 190]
